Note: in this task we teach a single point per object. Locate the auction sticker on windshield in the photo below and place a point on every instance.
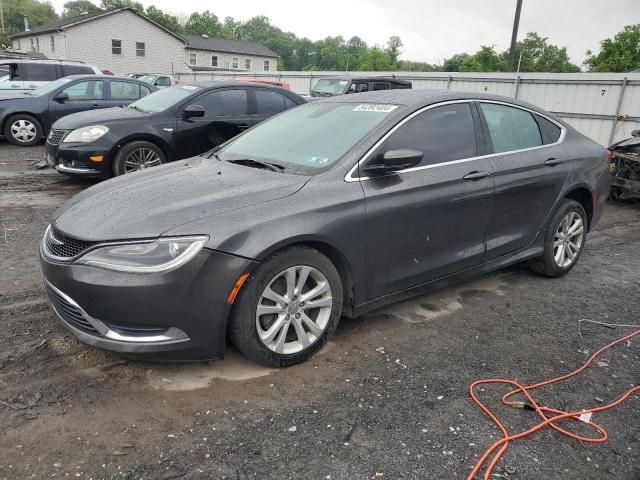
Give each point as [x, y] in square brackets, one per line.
[373, 107]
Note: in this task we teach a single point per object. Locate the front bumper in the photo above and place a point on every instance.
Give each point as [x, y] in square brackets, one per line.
[73, 159]
[176, 315]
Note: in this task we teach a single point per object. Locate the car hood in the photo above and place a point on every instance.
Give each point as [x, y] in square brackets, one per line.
[148, 203]
[99, 117]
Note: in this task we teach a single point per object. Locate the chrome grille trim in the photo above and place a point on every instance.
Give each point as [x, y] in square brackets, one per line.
[56, 136]
[60, 247]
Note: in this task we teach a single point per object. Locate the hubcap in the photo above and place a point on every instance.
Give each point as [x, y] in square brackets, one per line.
[294, 309]
[140, 159]
[568, 239]
[23, 131]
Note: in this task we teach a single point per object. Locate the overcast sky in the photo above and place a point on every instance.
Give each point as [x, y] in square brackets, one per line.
[431, 30]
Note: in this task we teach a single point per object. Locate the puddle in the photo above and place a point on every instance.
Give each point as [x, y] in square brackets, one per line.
[444, 302]
[234, 368]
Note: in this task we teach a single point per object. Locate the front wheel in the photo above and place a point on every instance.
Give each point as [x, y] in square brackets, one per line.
[287, 308]
[23, 130]
[564, 240]
[137, 155]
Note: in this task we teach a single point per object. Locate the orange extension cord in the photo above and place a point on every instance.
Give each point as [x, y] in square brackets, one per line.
[550, 416]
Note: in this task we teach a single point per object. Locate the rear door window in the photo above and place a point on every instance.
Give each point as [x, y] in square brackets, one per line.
[37, 72]
[550, 131]
[358, 87]
[380, 86]
[224, 102]
[163, 82]
[442, 134]
[76, 70]
[85, 90]
[124, 90]
[269, 102]
[510, 128]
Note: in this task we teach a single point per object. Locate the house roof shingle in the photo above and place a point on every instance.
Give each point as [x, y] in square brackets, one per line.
[199, 42]
[63, 22]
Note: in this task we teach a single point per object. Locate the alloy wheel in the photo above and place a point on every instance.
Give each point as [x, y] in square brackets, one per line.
[23, 131]
[294, 310]
[140, 159]
[568, 239]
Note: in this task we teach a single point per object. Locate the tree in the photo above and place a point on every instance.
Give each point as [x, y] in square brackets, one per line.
[538, 55]
[394, 44]
[113, 4]
[78, 7]
[168, 21]
[375, 59]
[205, 23]
[484, 60]
[38, 13]
[619, 54]
[453, 64]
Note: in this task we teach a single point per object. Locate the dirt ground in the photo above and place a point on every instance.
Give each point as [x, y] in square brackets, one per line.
[386, 399]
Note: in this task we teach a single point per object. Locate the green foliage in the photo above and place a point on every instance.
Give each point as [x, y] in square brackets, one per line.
[484, 60]
[78, 7]
[619, 54]
[540, 56]
[205, 23]
[168, 21]
[112, 4]
[38, 13]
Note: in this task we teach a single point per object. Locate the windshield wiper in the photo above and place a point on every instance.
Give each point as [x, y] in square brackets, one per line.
[135, 107]
[250, 162]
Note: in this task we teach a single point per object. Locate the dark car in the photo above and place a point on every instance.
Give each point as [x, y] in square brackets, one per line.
[333, 208]
[332, 86]
[27, 117]
[625, 166]
[173, 123]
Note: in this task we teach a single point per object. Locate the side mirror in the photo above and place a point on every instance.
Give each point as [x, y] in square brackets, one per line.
[395, 160]
[193, 110]
[61, 97]
[635, 133]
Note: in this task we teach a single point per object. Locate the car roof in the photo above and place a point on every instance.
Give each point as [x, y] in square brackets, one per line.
[416, 99]
[26, 60]
[102, 77]
[239, 83]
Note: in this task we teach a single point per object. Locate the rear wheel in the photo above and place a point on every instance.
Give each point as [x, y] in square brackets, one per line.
[564, 240]
[137, 155]
[287, 308]
[23, 130]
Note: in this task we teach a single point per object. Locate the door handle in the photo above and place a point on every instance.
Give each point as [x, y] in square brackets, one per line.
[96, 105]
[243, 126]
[552, 162]
[476, 175]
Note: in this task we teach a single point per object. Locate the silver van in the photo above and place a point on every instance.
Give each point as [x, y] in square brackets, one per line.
[25, 75]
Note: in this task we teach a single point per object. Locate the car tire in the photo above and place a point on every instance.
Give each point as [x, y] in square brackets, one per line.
[23, 130]
[137, 151]
[249, 329]
[562, 246]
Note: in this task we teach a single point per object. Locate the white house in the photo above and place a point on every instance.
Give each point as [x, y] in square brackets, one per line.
[123, 41]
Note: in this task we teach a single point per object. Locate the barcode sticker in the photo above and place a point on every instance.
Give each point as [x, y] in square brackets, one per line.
[374, 107]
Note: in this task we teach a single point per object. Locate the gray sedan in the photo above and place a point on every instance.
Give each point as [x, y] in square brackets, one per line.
[331, 208]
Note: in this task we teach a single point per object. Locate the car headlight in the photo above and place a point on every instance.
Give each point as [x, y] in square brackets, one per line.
[86, 134]
[161, 255]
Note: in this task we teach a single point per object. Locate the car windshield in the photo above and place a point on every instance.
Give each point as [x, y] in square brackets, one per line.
[148, 78]
[307, 139]
[329, 86]
[49, 87]
[163, 99]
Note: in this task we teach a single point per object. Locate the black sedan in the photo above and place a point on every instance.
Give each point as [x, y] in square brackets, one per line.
[26, 117]
[333, 208]
[173, 123]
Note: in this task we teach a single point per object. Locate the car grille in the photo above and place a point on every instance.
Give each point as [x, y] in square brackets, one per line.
[70, 313]
[55, 136]
[65, 247]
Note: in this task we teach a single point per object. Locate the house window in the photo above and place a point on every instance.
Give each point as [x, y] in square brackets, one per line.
[247, 64]
[53, 43]
[37, 44]
[214, 60]
[33, 45]
[18, 47]
[193, 59]
[139, 49]
[116, 47]
[266, 65]
[235, 62]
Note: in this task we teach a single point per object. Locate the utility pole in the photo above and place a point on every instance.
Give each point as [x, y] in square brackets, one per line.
[2, 15]
[514, 36]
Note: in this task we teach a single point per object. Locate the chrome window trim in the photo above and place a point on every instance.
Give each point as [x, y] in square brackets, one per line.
[351, 174]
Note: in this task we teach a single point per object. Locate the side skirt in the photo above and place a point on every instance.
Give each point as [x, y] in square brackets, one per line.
[535, 250]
